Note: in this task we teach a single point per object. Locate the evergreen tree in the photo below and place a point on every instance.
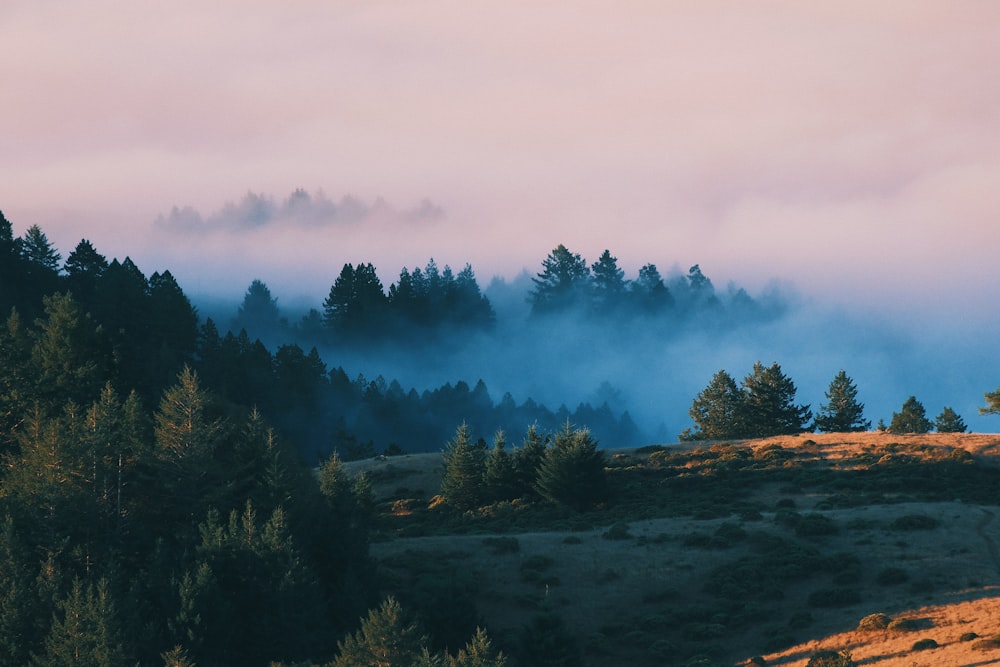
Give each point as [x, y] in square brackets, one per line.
[767, 407]
[911, 419]
[717, 410]
[479, 652]
[649, 293]
[950, 422]
[36, 249]
[176, 657]
[464, 465]
[563, 282]
[18, 379]
[528, 459]
[842, 412]
[17, 599]
[500, 476]
[356, 303]
[608, 284]
[85, 631]
[387, 638]
[259, 310]
[546, 641]
[67, 352]
[84, 268]
[572, 472]
[992, 403]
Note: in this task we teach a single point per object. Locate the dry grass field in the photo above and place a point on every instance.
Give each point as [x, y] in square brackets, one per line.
[711, 554]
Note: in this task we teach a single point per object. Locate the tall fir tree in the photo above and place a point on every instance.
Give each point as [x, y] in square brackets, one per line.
[572, 472]
[716, 410]
[842, 412]
[464, 466]
[768, 406]
[950, 421]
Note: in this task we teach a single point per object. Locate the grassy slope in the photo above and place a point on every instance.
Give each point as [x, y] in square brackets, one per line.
[772, 547]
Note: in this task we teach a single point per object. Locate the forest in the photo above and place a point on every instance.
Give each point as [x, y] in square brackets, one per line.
[159, 501]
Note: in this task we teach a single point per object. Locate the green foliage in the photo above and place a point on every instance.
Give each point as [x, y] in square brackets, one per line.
[464, 467]
[842, 412]
[911, 419]
[716, 410]
[479, 652]
[85, 630]
[572, 472]
[767, 407]
[388, 637]
[949, 421]
[834, 597]
[500, 475]
[924, 644]
[992, 403]
[914, 522]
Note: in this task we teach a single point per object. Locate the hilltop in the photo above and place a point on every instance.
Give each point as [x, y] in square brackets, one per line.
[712, 553]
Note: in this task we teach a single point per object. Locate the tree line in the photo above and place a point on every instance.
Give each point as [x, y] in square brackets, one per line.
[763, 405]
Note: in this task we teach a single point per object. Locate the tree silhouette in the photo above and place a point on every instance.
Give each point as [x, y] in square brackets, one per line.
[717, 410]
[562, 283]
[767, 406]
[572, 472]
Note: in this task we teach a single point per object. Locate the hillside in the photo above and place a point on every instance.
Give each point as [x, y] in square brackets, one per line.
[713, 553]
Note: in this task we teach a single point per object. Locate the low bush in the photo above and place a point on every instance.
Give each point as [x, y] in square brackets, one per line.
[815, 525]
[924, 644]
[877, 621]
[988, 644]
[618, 531]
[968, 637]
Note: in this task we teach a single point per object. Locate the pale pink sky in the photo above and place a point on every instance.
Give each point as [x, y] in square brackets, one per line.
[829, 143]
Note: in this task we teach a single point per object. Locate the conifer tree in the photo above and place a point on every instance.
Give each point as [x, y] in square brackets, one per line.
[528, 458]
[992, 403]
[36, 248]
[464, 465]
[842, 412]
[387, 638]
[572, 472]
[479, 652]
[563, 282]
[911, 419]
[767, 407]
[950, 421]
[500, 476]
[717, 410]
[85, 631]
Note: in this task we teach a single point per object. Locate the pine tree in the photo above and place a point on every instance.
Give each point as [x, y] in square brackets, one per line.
[464, 465]
[528, 459]
[85, 631]
[842, 412]
[500, 476]
[767, 407]
[717, 410]
[572, 472]
[609, 284]
[176, 657]
[17, 600]
[911, 419]
[387, 638]
[67, 352]
[479, 652]
[36, 248]
[563, 282]
[992, 403]
[949, 421]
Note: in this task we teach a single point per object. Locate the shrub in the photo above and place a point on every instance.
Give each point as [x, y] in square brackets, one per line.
[988, 644]
[877, 621]
[830, 658]
[572, 539]
[924, 644]
[968, 637]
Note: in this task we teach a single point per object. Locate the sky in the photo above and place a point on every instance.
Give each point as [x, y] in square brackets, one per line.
[849, 149]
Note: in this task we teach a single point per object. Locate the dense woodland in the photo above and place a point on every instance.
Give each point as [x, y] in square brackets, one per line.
[158, 498]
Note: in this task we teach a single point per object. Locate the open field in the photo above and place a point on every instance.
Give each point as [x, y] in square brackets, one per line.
[710, 554]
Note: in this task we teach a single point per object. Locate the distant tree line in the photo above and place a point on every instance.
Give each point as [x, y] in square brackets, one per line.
[763, 405]
[92, 321]
[429, 304]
